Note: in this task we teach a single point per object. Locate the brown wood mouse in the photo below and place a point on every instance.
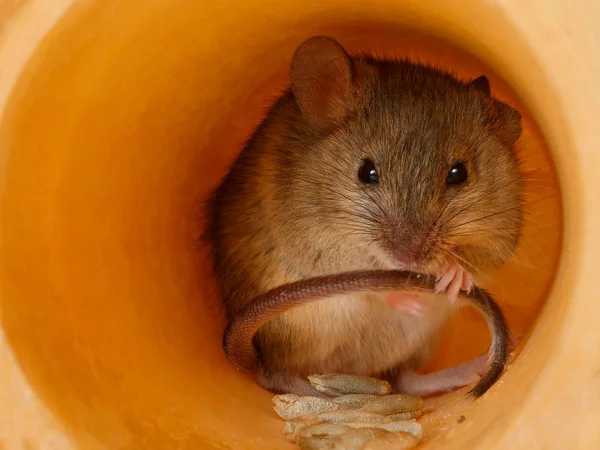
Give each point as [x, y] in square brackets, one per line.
[367, 164]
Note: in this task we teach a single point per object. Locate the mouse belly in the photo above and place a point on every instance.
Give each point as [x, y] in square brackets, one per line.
[358, 335]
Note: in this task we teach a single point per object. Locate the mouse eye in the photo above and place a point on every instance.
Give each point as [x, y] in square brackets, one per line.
[458, 174]
[367, 172]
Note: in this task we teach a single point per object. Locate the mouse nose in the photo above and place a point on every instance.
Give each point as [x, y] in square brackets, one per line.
[407, 250]
[407, 256]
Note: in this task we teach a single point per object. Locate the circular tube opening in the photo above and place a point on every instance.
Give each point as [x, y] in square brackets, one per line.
[123, 120]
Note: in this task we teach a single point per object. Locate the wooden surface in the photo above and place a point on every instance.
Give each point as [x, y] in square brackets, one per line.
[118, 123]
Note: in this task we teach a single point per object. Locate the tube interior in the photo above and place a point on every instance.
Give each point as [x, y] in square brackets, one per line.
[120, 125]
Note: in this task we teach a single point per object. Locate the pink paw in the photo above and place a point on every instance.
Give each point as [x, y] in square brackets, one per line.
[443, 381]
[453, 280]
[478, 366]
[471, 371]
[409, 304]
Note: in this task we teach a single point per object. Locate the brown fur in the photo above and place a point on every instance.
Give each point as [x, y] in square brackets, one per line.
[292, 206]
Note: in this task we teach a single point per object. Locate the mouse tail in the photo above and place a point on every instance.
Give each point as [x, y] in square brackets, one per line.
[499, 350]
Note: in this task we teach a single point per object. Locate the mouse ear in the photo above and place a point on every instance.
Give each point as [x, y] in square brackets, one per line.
[507, 123]
[321, 81]
[482, 84]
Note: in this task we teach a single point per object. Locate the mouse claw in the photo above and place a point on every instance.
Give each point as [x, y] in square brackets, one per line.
[467, 283]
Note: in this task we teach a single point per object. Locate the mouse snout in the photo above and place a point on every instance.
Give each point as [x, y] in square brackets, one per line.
[408, 250]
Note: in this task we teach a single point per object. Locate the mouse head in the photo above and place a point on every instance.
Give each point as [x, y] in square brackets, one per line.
[410, 165]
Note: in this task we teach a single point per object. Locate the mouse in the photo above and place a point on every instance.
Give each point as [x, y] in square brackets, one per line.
[367, 164]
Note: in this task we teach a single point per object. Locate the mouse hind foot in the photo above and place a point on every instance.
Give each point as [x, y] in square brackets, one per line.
[284, 383]
[442, 381]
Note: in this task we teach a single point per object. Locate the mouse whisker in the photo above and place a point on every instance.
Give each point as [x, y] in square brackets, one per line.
[352, 224]
[354, 214]
[370, 217]
[454, 216]
[481, 231]
[435, 222]
[538, 169]
[365, 243]
[540, 199]
[377, 204]
[349, 222]
[540, 186]
[351, 232]
[451, 253]
[530, 195]
[363, 235]
[530, 177]
[477, 232]
[354, 228]
[367, 219]
[487, 216]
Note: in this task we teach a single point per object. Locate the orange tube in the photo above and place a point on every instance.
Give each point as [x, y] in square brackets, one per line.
[117, 119]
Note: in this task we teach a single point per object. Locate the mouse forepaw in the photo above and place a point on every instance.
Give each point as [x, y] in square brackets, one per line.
[453, 280]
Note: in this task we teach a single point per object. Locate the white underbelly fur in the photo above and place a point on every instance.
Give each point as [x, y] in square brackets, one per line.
[367, 336]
